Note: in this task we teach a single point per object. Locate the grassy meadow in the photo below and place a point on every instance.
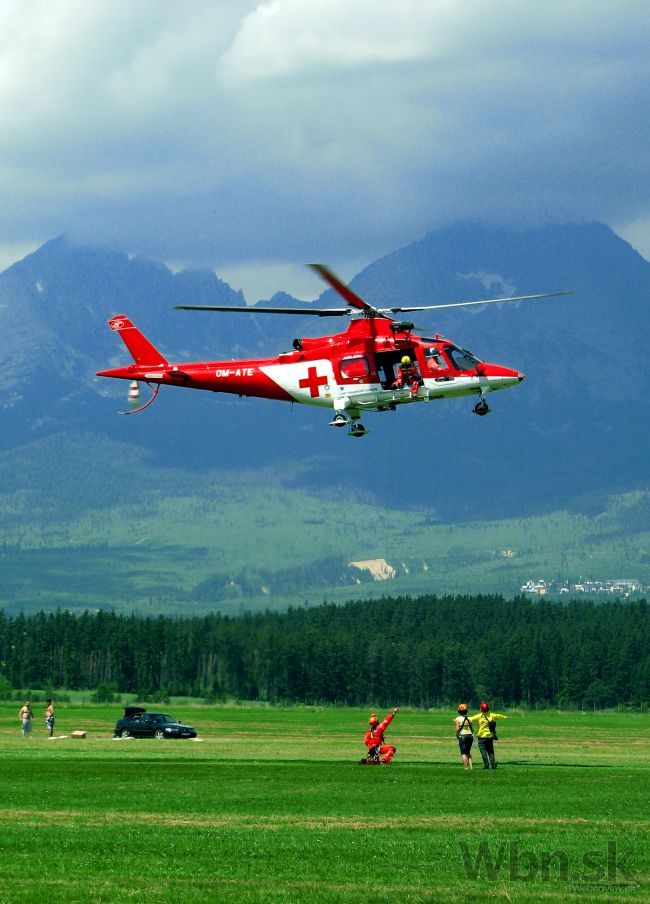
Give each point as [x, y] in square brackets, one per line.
[271, 805]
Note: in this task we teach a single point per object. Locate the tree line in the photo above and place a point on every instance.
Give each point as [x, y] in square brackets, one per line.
[421, 651]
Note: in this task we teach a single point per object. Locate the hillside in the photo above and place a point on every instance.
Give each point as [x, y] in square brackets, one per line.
[175, 542]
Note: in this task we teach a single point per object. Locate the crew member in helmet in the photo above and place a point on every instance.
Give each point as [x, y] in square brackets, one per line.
[464, 735]
[487, 735]
[408, 375]
[378, 752]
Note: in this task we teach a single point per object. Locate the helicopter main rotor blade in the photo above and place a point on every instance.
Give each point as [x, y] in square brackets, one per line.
[464, 304]
[357, 302]
[252, 309]
[344, 291]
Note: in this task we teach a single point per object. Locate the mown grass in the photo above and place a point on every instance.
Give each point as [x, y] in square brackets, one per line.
[271, 805]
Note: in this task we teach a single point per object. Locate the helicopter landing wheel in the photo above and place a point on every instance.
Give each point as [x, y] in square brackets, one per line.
[339, 421]
[481, 408]
[357, 430]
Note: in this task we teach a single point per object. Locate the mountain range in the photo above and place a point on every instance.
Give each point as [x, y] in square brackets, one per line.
[575, 431]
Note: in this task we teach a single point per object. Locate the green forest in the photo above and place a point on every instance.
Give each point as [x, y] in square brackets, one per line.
[424, 651]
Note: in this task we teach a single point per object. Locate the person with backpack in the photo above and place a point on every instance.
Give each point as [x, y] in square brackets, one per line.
[379, 754]
[464, 735]
[487, 734]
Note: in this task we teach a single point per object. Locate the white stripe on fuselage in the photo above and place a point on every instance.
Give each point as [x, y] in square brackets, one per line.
[315, 377]
[466, 384]
[314, 383]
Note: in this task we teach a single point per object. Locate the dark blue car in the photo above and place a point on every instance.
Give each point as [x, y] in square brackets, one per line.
[138, 723]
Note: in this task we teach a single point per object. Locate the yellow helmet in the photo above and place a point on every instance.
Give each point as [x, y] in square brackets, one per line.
[373, 720]
[462, 707]
[406, 360]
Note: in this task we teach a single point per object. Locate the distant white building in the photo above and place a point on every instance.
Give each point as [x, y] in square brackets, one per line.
[618, 587]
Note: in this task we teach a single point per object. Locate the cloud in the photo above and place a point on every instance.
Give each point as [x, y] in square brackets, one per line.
[285, 38]
[285, 131]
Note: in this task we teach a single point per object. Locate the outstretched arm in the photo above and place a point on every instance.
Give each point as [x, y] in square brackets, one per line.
[389, 718]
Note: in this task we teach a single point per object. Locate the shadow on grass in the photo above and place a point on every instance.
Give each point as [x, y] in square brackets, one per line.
[503, 764]
[557, 765]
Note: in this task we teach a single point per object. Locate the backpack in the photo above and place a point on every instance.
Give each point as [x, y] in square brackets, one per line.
[467, 719]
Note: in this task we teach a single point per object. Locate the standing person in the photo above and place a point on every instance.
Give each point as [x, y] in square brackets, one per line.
[49, 717]
[378, 752]
[26, 715]
[464, 735]
[487, 734]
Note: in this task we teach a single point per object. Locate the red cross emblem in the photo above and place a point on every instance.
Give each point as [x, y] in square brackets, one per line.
[312, 382]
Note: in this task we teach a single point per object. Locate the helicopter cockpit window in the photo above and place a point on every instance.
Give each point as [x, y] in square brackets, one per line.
[461, 358]
[354, 368]
[434, 359]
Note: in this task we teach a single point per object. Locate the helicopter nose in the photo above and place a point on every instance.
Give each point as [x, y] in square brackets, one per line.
[521, 377]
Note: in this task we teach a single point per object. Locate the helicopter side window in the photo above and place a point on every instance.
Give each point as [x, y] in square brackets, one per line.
[354, 368]
[434, 360]
[461, 358]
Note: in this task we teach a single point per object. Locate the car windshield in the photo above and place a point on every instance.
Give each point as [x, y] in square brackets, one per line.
[163, 718]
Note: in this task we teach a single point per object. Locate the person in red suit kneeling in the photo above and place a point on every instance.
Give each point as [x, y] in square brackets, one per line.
[379, 754]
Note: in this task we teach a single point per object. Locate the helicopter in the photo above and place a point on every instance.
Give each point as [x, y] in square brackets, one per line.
[377, 364]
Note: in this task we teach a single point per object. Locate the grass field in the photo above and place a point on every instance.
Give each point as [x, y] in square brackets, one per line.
[270, 805]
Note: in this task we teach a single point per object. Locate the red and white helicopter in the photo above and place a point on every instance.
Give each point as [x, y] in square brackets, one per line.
[375, 365]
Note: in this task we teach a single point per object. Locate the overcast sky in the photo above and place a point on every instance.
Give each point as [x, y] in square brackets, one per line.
[253, 137]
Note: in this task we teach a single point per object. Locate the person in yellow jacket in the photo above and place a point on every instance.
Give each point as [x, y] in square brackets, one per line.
[486, 734]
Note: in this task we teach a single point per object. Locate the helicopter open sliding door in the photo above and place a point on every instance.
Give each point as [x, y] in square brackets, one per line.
[387, 364]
